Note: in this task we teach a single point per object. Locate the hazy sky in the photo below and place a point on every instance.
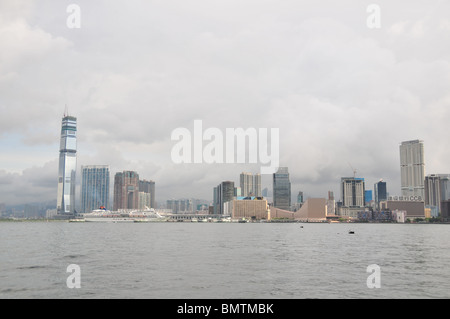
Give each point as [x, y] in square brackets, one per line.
[341, 94]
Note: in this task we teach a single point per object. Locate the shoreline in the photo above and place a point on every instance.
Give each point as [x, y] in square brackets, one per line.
[21, 220]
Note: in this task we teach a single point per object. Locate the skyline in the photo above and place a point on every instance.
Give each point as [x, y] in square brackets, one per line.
[342, 95]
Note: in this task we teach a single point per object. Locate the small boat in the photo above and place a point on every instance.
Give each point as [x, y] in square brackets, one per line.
[77, 220]
[351, 232]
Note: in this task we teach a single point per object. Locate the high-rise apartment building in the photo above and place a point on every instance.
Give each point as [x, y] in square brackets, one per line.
[180, 205]
[432, 190]
[412, 169]
[65, 201]
[331, 204]
[126, 190]
[437, 190]
[250, 184]
[282, 189]
[257, 185]
[94, 187]
[148, 187]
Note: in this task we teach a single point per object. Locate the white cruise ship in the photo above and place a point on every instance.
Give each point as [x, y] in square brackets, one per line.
[103, 215]
[146, 215]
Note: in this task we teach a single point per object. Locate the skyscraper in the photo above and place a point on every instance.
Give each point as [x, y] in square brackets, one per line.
[282, 189]
[412, 169]
[437, 190]
[257, 185]
[94, 187]
[126, 190]
[250, 184]
[223, 193]
[300, 198]
[352, 196]
[148, 187]
[65, 201]
[380, 192]
[352, 192]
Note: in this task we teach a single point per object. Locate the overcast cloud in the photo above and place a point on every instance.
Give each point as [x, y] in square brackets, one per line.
[342, 94]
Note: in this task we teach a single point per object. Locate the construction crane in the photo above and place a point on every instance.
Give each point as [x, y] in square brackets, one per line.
[354, 170]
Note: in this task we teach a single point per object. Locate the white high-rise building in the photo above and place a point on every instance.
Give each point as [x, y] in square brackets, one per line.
[412, 169]
[250, 184]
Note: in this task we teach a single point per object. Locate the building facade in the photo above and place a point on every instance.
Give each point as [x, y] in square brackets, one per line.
[249, 208]
[144, 200]
[352, 192]
[94, 187]
[413, 209]
[65, 201]
[313, 209]
[180, 205]
[437, 190]
[352, 196]
[412, 169]
[126, 190]
[223, 193]
[148, 187]
[380, 193]
[250, 184]
[282, 189]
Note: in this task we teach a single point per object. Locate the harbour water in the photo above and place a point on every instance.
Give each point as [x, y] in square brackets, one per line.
[223, 260]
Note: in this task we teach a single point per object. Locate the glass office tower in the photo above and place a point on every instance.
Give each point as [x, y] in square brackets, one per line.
[282, 189]
[224, 192]
[65, 202]
[380, 193]
[94, 187]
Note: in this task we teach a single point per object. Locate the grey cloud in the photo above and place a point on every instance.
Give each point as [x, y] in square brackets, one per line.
[338, 91]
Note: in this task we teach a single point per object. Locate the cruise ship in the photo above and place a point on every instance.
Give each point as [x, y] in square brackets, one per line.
[104, 215]
[146, 215]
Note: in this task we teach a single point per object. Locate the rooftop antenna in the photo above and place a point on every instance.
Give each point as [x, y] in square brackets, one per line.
[66, 111]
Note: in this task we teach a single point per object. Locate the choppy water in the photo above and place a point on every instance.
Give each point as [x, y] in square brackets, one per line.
[223, 260]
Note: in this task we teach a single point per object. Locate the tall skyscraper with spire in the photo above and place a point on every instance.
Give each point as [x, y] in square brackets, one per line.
[65, 202]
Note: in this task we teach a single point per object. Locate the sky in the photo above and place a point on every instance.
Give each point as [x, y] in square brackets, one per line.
[343, 83]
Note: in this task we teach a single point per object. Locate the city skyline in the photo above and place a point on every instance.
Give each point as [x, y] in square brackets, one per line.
[412, 169]
[339, 91]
